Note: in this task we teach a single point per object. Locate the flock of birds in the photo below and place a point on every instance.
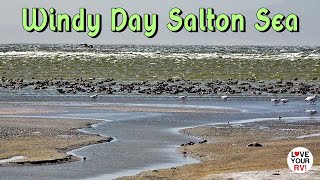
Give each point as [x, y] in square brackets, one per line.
[310, 99]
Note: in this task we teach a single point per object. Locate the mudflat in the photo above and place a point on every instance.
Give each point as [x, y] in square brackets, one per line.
[43, 141]
[226, 154]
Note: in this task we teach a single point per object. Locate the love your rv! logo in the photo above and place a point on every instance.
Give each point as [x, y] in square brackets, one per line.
[300, 160]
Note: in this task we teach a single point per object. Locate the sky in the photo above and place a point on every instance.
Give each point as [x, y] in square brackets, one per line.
[11, 30]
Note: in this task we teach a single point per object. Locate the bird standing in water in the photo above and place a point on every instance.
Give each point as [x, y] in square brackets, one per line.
[183, 98]
[225, 98]
[94, 97]
[311, 112]
[275, 101]
[312, 99]
[284, 101]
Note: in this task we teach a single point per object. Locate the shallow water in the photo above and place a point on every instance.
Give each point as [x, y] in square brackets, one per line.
[142, 140]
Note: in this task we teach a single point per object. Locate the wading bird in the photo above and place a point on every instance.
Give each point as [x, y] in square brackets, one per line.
[183, 98]
[311, 112]
[284, 101]
[225, 98]
[94, 96]
[275, 101]
[312, 99]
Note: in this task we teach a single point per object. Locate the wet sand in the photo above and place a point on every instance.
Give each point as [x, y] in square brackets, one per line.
[19, 111]
[226, 154]
[158, 109]
[35, 141]
[278, 174]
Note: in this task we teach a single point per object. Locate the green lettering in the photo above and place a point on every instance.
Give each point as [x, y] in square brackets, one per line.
[114, 19]
[94, 27]
[53, 20]
[211, 17]
[223, 23]
[277, 22]
[79, 20]
[238, 23]
[151, 28]
[203, 20]
[174, 15]
[35, 18]
[262, 15]
[64, 20]
[135, 23]
[292, 23]
[191, 23]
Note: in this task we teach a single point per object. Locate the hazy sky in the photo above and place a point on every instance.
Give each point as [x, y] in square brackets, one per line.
[11, 30]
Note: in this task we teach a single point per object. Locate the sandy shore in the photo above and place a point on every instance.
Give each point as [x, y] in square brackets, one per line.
[313, 174]
[226, 154]
[19, 111]
[43, 141]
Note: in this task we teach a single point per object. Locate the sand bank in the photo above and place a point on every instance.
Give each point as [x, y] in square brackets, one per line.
[43, 141]
[226, 152]
[18, 111]
[279, 174]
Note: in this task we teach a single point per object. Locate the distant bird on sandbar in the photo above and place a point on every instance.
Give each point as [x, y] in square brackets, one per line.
[312, 99]
[311, 112]
[275, 101]
[225, 98]
[94, 96]
[182, 98]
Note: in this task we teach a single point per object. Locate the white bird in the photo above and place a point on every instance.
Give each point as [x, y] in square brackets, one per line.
[311, 112]
[94, 96]
[275, 101]
[312, 99]
[183, 98]
[224, 97]
[284, 101]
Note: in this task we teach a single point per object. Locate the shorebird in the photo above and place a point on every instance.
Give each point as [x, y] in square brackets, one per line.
[284, 101]
[225, 98]
[94, 96]
[275, 101]
[183, 98]
[311, 112]
[312, 99]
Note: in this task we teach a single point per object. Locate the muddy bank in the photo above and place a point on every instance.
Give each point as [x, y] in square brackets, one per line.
[44, 141]
[226, 149]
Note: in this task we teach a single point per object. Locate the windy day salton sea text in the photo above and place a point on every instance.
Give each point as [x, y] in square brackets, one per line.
[41, 19]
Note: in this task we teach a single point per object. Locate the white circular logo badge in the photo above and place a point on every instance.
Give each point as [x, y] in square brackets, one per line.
[300, 160]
